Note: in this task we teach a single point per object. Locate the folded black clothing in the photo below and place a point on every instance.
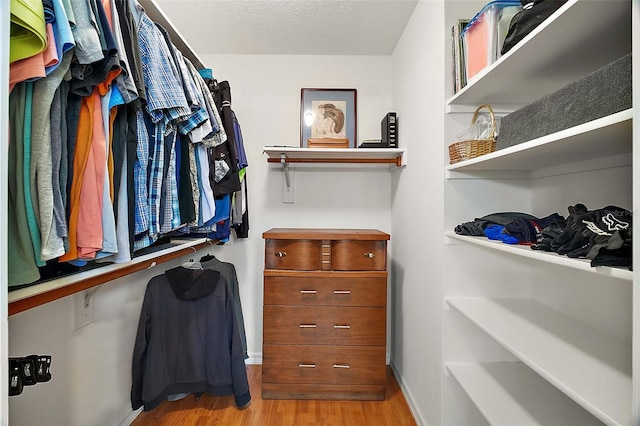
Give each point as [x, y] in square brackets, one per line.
[573, 224]
[608, 227]
[477, 226]
[580, 247]
[543, 245]
[504, 218]
[474, 228]
[618, 257]
[607, 220]
[549, 233]
[580, 239]
[530, 230]
[618, 240]
[554, 229]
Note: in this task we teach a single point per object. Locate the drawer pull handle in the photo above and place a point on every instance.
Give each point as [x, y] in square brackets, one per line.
[281, 254]
[307, 326]
[342, 326]
[341, 366]
[341, 291]
[370, 255]
[307, 365]
[308, 291]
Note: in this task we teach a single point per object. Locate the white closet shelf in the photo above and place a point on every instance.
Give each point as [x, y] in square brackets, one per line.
[543, 256]
[510, 393]
[290, 154]
[591, 367]
[609, 136]
[539, 64]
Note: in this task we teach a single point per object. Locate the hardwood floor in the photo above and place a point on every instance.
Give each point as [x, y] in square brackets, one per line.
[221, 410]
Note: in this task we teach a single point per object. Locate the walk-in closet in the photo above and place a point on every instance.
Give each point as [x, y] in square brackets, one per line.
[474, 327]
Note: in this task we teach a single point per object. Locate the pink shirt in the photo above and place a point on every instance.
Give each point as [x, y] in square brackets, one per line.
[33, 67]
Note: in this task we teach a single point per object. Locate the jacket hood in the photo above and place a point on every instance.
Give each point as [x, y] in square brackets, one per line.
[192, 284]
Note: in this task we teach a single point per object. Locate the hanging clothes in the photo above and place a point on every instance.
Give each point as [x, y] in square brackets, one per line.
[187, 340]
[225, 155]
[41, 167]
[113, 127]
[28, 32]
[228, 270]
[240, 202]
[21, 264]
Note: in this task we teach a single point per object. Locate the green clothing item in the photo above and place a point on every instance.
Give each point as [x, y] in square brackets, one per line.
[21, 263]
[32, 221]
[28, 34]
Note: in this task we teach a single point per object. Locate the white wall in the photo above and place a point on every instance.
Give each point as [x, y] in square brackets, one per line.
[417, 211]
[91, 366]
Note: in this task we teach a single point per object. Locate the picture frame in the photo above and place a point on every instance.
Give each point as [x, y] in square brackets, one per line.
[328, 118]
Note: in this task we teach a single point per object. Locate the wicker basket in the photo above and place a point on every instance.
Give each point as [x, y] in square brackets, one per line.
[465, 150]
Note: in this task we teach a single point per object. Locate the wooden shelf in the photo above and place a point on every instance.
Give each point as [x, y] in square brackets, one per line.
[544, 256]
[510, 393]
[45, 292]
[289, 154]
[591, 367]
[551, 56]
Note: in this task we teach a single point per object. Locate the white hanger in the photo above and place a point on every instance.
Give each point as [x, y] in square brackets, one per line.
[191, 264]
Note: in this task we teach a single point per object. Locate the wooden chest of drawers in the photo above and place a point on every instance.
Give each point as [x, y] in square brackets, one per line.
[324, 324]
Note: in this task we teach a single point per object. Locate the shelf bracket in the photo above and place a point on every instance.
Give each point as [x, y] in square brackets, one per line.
[288, 180]
[88, 294]
[285, 170]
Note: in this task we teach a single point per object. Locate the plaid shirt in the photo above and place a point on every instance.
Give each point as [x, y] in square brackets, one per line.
[166, 105]
[218, 136]
[141, 208]
[170, 204]
[199, 114]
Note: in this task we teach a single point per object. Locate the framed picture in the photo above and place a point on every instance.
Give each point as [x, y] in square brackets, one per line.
[328, 118]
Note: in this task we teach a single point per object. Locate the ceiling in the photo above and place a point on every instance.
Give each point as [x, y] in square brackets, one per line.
[290, 27]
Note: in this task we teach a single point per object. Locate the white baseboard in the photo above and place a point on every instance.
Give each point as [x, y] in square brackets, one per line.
[409, 398]
[254, 358]
[128, 418]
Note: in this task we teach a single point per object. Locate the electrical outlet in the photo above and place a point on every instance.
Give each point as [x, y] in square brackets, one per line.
[83, 309]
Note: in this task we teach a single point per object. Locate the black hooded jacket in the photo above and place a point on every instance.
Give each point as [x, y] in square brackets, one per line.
[187, 340]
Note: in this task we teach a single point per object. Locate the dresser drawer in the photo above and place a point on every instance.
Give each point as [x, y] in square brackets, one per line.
[324, 325]
[357, 255]
[324, 364]
[336, 289]
[302, 255]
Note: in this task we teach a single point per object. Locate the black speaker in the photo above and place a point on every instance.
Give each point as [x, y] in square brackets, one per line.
[389, 130]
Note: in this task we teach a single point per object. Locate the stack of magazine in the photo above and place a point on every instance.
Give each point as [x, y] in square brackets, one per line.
[458, 56]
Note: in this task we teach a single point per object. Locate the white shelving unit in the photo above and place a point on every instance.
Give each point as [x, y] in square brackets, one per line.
[526, 334]
[561, 350]
[510, 393]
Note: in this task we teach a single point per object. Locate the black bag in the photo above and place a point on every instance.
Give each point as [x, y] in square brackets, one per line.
[525, 21]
